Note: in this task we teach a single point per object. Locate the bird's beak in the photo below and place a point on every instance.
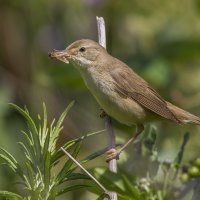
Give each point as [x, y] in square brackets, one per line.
[60, 55]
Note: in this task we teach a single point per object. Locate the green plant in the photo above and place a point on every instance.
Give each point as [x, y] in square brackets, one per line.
[149, 178]
[42, 179]
[37, 173]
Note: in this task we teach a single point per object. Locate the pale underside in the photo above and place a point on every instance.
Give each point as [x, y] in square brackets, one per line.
[124, 110]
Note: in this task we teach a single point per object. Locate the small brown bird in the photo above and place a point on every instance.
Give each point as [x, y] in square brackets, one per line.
[121, 93]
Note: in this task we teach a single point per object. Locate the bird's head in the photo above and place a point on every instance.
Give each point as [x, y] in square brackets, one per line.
[84, 53]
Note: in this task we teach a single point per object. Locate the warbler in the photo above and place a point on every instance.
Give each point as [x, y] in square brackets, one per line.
[120, 92]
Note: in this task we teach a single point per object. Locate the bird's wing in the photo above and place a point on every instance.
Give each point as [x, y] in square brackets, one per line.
[129, 85]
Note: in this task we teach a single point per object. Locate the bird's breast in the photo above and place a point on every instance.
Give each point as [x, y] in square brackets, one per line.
[124, 110]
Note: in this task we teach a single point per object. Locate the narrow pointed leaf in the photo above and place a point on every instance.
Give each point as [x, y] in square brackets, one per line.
[10, 195]
[27, 138]
[179, 157]
[29, 141]
[131, 189]
[30, 177]
[8, 162]
[63, 115]
[76, 176]
[25, 151]
[44, 128]
[59, 123]
[7, 154]
[59, 153]
[90, 157]
[72, 188]
[46, 145]
[66, 168]
[11, 162]
[94, 155]
[30, 147]
[32, 127]
[47, 174]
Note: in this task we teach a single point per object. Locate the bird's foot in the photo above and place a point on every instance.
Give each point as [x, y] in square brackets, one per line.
[102, 113]
[112, 154]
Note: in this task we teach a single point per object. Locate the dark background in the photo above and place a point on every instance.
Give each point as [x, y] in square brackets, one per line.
[159, 39]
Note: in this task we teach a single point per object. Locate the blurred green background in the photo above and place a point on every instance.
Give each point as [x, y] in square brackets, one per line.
[160, 40]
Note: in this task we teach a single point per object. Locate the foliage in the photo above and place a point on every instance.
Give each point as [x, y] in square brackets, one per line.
[162, 180]
[41, 158]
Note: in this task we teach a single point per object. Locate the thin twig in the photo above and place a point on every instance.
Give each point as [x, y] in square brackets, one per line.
[101, 31]
[85, 170]
[111, 143]
[108, 123]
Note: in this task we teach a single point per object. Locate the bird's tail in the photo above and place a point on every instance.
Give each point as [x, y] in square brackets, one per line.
[183, 116]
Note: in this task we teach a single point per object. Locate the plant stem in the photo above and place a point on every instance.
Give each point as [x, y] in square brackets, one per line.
[108, 123]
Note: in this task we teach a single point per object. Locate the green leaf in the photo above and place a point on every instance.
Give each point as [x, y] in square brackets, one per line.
[30, 177]
[131, 190]
[126, 197]
[10, 195]
[58, 127]
[94, 155]
[33, 129]
[25, 151]
[65, 171]
[47, 169]
[91, 157]
[72, 188]
[47, 162]
[150, 140]
[29, 142]
[118, 183]
[44, 128]
[110, 180]
[179, 157]
[59, 153]
[8, 155]
[9, 162]
[76, 176]
[46, 145]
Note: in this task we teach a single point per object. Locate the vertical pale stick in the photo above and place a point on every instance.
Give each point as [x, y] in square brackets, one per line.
[108, 123]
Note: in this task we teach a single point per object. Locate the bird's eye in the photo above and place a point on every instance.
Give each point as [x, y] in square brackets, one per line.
[82, 49]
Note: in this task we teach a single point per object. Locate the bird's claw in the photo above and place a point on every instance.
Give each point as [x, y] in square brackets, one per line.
[112, 154]
[102, 113]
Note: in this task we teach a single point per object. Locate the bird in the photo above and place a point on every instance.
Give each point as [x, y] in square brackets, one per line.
[119, 90]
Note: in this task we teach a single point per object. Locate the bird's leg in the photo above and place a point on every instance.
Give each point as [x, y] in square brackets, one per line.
[113, 153]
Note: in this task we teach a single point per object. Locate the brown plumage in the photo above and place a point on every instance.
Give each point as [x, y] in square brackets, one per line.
[141, 92]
